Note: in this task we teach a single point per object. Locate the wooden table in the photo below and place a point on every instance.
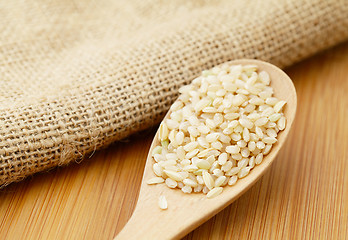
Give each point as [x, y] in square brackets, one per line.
[303, 196]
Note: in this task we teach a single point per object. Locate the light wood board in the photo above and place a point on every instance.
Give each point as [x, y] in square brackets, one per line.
[303, 196]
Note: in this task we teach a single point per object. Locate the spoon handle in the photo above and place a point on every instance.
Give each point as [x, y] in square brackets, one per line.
[146, 225]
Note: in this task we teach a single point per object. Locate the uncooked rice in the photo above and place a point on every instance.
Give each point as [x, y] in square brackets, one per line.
[218, 130]
[162, 202]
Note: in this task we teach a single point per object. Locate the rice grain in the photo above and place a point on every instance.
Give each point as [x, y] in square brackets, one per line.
[155, 180]
[214, 192]
[162, 202]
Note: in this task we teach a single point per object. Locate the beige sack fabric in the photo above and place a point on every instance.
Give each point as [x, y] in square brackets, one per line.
[78, 75]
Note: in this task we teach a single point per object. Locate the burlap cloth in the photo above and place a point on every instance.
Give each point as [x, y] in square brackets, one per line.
[78, 75]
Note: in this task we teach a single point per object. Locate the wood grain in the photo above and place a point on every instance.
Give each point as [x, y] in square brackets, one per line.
[303, 196]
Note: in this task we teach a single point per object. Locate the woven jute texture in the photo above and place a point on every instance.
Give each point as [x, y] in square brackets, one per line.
[78, 75]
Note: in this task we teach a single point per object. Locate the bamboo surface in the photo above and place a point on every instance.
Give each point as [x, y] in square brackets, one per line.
[303, 196]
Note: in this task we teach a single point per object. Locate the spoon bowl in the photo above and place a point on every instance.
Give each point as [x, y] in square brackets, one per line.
[187, 211]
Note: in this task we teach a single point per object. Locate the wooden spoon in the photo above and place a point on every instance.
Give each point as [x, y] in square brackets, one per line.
[187, 211]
